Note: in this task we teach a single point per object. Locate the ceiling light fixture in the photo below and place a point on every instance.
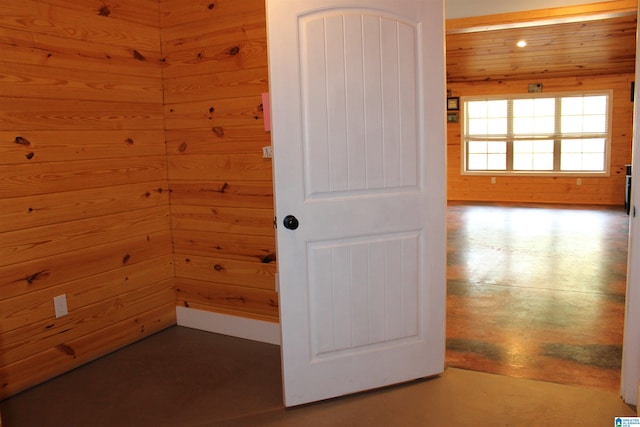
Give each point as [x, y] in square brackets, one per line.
[521, 43]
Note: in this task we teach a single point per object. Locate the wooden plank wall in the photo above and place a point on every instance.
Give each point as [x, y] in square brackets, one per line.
[222, 200]
[593, 190]
[84, 205]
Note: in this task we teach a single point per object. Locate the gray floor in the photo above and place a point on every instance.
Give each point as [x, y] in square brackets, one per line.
[187, 378]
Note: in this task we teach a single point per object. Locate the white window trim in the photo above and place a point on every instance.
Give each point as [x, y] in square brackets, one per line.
[607, 154]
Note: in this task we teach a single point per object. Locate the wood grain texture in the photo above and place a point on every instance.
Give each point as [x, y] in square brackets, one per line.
[177, 12]
[36, 337]
[86, 24]
[21, 114]
[42, 273]
[217, 140]
[243, 221]
[250, 274]
[52, 208]
[43, 178]
[243, 112]
[242, 194]
[84, 192]
[45, 365]
[37, 306]
[39, 242]
[241, 300]
[225, 245]
[57, 146]
[35, 81]
[246, 167]
[215, 72]
[585, 40]
[28, 48]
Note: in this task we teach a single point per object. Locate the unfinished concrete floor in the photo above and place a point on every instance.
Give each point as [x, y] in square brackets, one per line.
[186, 378]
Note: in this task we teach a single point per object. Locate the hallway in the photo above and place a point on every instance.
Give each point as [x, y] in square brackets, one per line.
[537, 292]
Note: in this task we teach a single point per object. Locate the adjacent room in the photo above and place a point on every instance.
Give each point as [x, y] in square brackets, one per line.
[537, 226]
[137, 214]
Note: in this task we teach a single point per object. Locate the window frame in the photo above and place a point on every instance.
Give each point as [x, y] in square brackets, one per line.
[556, 137]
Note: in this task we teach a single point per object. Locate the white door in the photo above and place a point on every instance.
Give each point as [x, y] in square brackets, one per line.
[358, 113]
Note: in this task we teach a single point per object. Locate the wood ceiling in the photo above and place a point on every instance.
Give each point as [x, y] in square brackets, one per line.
[592, 45]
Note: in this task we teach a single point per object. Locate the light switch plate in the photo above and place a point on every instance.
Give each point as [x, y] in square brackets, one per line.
[60, 305]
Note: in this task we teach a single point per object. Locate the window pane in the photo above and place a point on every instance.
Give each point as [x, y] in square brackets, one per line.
[497, 162]
[533, 116]
[586, 114]
[487, 155]
[497, 126]
[486, 117]
[533, 155]
[477, 162]
[497, 147]
[476, 109]
[477, 147]
[497, 108]
[595, 105]
[582, 155]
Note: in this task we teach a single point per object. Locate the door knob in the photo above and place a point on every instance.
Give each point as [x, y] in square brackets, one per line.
[290, 222]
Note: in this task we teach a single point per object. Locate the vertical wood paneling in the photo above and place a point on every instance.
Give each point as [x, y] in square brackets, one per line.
[222, 200]
[84, 200]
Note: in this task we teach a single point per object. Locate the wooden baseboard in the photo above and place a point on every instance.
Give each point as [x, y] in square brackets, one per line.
[234, 326]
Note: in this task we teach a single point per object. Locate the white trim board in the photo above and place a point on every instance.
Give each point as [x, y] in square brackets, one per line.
[240, 327]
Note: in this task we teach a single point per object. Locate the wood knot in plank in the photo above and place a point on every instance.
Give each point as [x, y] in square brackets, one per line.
[30, 155]
[183, 147]
[223, 188]
[21, 141]
[219, 267]
[126, 258]
[234, 51]
[129, 141]
[211, 6]
[267, 259]
[137, 55]
[66, 350]
[218, 131]
[211, 110]
[37, 276]
[104, 11]
[146, 195]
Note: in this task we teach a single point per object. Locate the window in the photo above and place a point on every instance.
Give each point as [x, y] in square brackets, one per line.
[540, 134]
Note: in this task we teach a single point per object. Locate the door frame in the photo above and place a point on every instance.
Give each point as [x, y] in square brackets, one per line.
[630, 372]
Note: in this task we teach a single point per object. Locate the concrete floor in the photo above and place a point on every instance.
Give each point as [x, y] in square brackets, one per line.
[186, 378]
[537, 291]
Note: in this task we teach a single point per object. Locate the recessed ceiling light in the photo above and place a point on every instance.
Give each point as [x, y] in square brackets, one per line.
[521, 43]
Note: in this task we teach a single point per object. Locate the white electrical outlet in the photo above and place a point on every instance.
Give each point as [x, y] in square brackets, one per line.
[493, 179]
[60, 305]
[267, 152]
[579, 181]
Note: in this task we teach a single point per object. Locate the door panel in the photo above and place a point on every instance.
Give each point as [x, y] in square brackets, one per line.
[357, 98]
